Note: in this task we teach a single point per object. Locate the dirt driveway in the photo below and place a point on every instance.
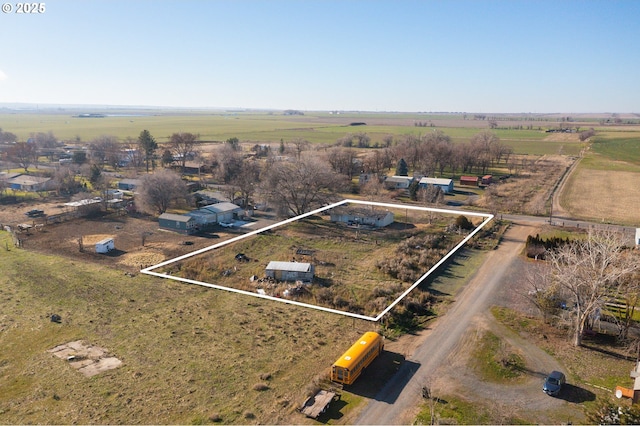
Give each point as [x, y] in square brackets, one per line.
[442, 353]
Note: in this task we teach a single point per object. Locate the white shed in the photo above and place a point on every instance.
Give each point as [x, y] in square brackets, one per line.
[638, 237]
[105, 246]
[290, 271]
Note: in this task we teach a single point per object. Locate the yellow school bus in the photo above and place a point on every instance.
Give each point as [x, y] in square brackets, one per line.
[349, 366]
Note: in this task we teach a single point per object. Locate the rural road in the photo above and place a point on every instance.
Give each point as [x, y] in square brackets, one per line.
[399, 400]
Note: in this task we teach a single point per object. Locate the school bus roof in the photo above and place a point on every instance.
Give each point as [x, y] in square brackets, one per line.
[354, 352]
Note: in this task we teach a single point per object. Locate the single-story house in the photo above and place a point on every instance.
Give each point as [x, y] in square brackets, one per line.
[445, 184]
[290, 271]
[177, 222]
[354, 216]
[128, 184]
[30, 183]
[398, 182]
[469, 180]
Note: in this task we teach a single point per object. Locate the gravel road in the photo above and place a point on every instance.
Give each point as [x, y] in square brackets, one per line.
[399, 400]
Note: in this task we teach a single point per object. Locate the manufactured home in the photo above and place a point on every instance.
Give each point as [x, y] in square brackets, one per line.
[362, 217]
[177, 222]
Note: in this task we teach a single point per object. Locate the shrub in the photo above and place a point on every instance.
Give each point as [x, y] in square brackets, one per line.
[260, 387]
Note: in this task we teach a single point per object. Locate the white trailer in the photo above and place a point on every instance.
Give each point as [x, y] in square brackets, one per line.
[105, 246]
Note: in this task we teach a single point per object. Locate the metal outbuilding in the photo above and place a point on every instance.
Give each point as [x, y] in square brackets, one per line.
[290, 271]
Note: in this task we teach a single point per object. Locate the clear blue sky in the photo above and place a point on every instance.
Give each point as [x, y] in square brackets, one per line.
[472, 56]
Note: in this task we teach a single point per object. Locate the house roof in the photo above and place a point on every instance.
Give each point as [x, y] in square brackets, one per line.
[28, 180]
[289, 266]
[436, 181]
[221, 207]
[7, 176]
[176, 217]
[362, 212]
[399, 178]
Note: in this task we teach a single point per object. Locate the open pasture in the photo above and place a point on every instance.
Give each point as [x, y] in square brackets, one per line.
[190, 355]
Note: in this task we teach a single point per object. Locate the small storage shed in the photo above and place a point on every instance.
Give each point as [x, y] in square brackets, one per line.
[290, 271]
[177, 222]
[105, 246]
[469, 180]
[487, 179]
[445, 184]
[637, 237]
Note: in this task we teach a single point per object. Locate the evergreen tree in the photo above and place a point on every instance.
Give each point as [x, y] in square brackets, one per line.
[402, 169]
[148, 145]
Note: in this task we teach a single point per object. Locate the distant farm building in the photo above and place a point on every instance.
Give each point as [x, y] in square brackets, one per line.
[398, 182]
[446, 185]
[290, 271]
[487, 179]
[469, 180]
[637, 237]
[353, 216]
[178, 223]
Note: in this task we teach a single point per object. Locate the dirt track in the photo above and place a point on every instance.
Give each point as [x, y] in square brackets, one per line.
[442, 352]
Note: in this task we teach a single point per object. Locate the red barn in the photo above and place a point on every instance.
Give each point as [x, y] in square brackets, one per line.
[469, 180]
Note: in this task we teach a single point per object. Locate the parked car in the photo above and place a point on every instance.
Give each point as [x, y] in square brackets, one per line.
[553, 383]
[35, 213]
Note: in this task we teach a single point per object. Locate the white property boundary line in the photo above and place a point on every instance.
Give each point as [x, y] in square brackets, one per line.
[488, 217]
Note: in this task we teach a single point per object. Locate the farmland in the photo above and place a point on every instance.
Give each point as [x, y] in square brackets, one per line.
[525, 135]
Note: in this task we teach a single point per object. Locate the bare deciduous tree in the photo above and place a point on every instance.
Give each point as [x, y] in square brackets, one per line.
[590, 269]
[105, 149]
[158, 190]
[183, 146]
[22, 153]
[300, 186]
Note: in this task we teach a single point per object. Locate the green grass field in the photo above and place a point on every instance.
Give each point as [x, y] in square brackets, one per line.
[619, 147]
